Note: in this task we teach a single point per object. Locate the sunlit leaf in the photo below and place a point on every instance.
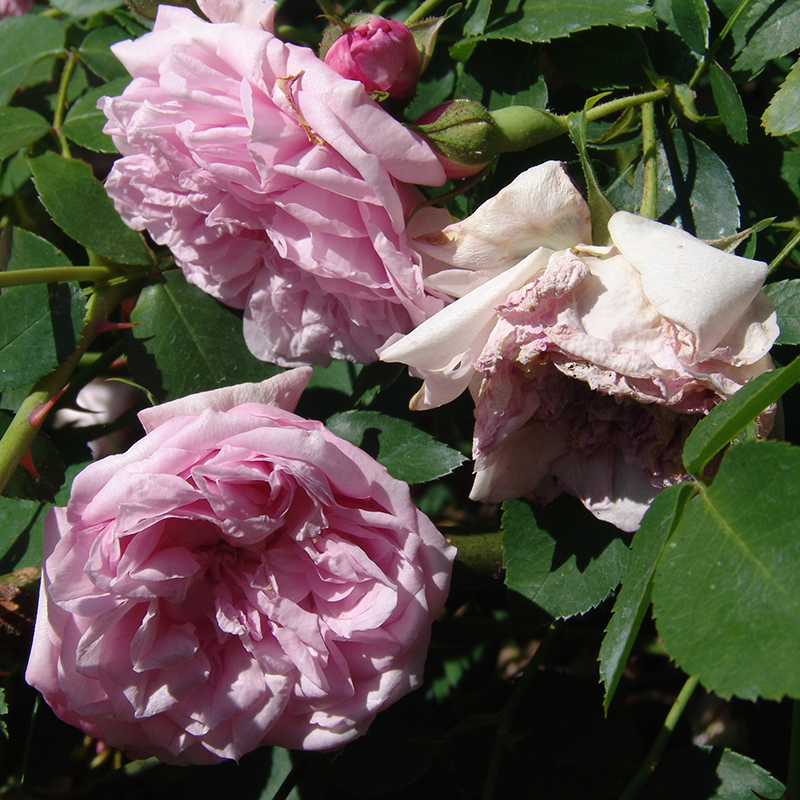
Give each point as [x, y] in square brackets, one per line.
[783, 114]
[785, 296]
[84, 122]
[727, 592]
[23, 41]
[79, 205]
[729, 103]
[20, 127]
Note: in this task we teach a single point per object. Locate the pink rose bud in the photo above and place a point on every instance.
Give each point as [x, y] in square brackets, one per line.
[381, 53]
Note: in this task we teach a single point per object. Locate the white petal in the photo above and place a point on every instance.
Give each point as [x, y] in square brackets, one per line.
[704, 289]
[250, 13]
[282, 390]
[540, 208]
[433, 344]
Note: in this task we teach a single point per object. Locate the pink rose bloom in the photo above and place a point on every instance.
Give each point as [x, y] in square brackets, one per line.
[14, 8]
[381, 54]
[589, 365]
[279, 186]
[239, 577]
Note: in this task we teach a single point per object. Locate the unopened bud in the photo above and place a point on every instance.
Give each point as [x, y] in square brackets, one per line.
[381, 53]
[463, 135]
[466, 137]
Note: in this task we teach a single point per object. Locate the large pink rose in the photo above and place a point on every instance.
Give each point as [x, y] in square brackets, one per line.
[239, 577]
[279, 186]
[589, 365]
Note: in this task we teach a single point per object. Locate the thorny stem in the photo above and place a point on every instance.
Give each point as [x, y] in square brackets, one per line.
[27, 277]
[510, 710]
[656, 751]
[20, 434]
[650, 184]
[424, 9]
[61, 104]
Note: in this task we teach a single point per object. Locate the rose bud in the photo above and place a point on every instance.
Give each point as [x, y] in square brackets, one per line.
[467, 137]
[381, 53]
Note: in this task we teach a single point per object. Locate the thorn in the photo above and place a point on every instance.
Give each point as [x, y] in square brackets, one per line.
[104, 326]
[27, 462]
[39, 412]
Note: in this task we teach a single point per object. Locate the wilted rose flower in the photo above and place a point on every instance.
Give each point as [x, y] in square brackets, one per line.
[14, 8]
[381, 54]
[589, 365]
[279, 186]
[239, 577]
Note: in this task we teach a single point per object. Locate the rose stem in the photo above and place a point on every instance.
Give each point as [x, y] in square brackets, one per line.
[656, 751]
[650, 183]
[424, 9]
[26, 277]
[61, 103]
[778, 260]
[507, 717]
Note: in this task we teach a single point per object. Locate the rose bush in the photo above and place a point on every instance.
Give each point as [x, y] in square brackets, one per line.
[279, 186]
[239, 577]
[381, 54]
[589, 365]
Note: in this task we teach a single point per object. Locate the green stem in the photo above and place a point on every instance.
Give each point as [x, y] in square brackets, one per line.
[621, 103]
[650, 183]
[709, 56]
[509, 712]
[426, 8]
[656, 751]
[327, 8]
[289, 782]
[793, 779]
[26, 277]
[61, 103]
[778, 260]
[478, 552]
[20, 434]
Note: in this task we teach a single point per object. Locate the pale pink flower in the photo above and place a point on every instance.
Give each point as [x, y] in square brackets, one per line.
[381, 54]
[589, 365]
[14, 8]
[280, 186]
[239, 577]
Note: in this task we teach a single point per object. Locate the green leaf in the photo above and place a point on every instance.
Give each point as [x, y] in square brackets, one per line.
[695, 188]
[15, 175]
[729, 104]
[729, 418]
[783, 113]
[196, 342]
[543, 20]
[633, 599]
[22, 249]
[95, 52]
[727, 593]
[79, 205]
[39, 327]
[692, 21]
[705, 773]
[560, 560]
[22, 523]
[24, 40]
[785, 296]
[777, 32]
[84, 122]
[20, 127]
[476, 23]
[410, 455]
[42, 485]
[81, 9]
[3, 712]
